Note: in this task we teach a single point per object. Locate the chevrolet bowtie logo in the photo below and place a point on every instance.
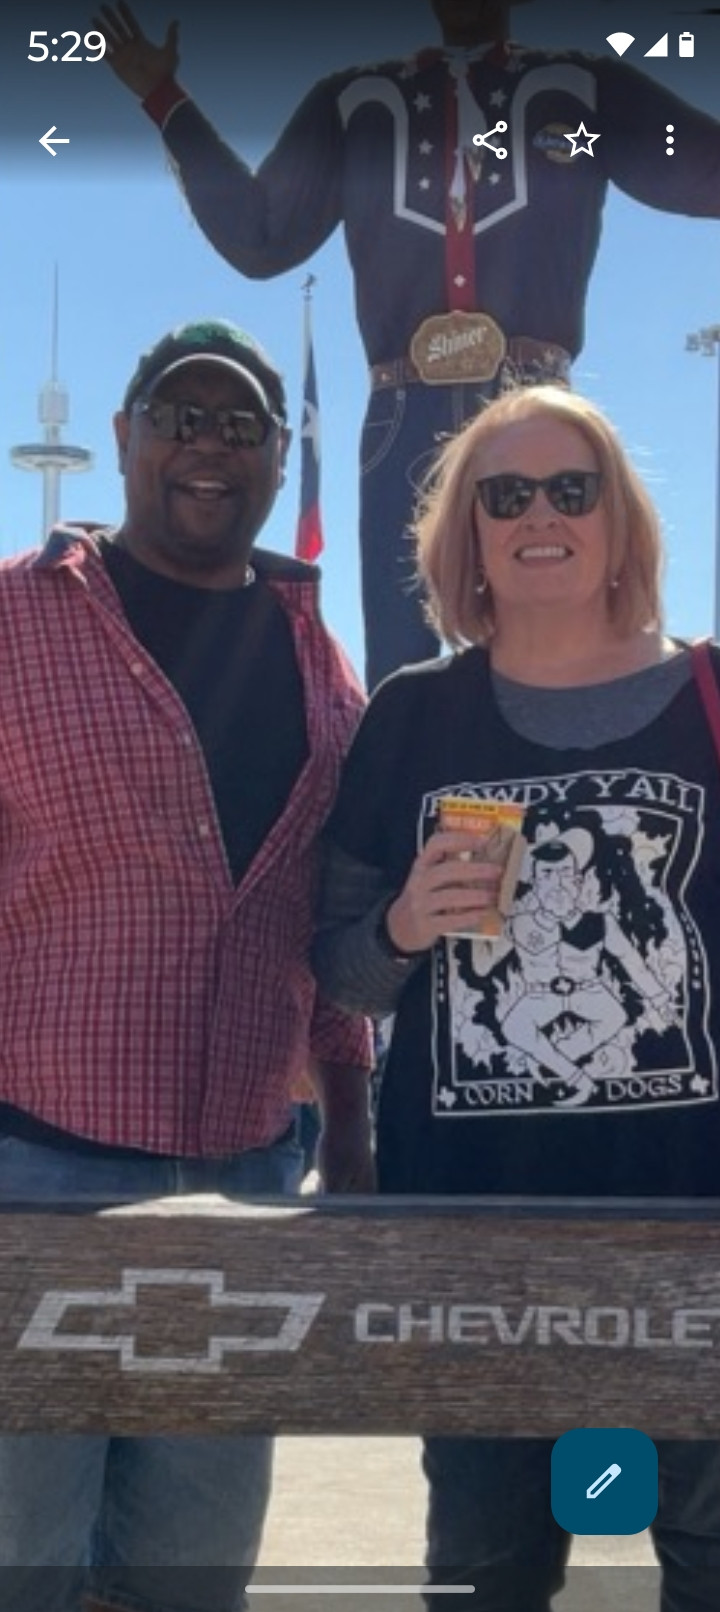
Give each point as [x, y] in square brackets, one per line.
[44, 1329]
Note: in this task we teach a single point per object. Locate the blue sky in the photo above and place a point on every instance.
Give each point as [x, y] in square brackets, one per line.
[132, 264]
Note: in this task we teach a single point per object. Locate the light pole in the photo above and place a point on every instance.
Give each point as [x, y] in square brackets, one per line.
[707, 344]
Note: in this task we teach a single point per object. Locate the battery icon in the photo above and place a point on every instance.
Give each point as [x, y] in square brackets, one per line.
[687, 44]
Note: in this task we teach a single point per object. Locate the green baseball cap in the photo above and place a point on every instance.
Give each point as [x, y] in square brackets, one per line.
[213, 341]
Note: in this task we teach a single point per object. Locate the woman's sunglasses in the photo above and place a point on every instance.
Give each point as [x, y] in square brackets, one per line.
[571, 492]
[185, 422]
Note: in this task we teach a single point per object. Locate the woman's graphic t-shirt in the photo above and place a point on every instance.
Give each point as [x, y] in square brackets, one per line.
[577, 1053]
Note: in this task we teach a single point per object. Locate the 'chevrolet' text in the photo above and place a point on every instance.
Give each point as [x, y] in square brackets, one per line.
[544, 1325]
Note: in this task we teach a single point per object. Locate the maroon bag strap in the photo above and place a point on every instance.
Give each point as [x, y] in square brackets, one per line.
[706, 683]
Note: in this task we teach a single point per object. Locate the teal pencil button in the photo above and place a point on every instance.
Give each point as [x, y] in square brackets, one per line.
[605, 1479]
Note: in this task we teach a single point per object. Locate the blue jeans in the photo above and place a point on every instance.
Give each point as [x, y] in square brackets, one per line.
[402, 431]
[490, 1524]
[308, 1128]
[144, 1524]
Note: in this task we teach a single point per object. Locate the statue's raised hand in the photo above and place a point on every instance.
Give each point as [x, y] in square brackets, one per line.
[138, 63]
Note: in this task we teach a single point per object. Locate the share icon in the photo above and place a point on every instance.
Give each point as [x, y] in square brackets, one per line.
[484, 140]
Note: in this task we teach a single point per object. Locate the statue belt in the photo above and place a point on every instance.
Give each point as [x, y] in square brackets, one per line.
[466, 348]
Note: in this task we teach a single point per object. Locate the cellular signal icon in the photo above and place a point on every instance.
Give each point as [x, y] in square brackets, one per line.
[621, 42]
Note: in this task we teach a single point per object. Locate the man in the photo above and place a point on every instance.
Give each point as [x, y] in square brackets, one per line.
[470, 269]
[173, 719]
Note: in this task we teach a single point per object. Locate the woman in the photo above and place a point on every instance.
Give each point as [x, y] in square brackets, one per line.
[574, 1052]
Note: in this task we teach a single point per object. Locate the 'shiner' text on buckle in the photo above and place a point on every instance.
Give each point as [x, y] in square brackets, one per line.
[458, 347]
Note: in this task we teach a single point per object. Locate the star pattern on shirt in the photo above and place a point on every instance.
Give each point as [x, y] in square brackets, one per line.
[448, 1099]
[425, 147]
[498, 98]
[700, 1085]
[422, 103]
[424, 184]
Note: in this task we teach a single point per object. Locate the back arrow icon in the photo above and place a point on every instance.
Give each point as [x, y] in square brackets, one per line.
[48, 143]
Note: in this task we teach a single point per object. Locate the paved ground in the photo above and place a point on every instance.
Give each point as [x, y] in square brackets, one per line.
[344, 1503]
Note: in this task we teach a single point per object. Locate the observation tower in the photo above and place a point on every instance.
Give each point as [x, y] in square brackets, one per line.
[52, 457]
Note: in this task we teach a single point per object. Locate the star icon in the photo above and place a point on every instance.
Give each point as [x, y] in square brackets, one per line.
[498, 98]
[580, 135]
[425, 147]
[422, 103]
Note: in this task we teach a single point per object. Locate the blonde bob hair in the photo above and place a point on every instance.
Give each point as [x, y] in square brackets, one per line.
[445, 528]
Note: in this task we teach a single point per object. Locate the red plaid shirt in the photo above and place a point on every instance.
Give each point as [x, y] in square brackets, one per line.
[147, 1001]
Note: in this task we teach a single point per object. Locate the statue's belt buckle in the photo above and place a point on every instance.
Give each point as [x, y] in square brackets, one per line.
[458, 347]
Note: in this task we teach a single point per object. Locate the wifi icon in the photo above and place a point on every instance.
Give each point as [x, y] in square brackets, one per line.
[621, 42]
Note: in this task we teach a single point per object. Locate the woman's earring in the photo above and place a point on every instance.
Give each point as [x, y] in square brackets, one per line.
[614, 582]
[482, 582]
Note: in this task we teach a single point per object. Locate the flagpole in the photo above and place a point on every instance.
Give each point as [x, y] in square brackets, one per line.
[307, 291]
[309, 541]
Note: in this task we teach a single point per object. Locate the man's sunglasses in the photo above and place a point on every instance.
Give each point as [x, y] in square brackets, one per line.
[571, 492]
[185, 422]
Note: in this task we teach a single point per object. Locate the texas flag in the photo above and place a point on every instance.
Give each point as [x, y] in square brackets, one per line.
[309, 537]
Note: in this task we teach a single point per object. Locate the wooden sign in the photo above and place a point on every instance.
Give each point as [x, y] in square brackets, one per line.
[361, 1316]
